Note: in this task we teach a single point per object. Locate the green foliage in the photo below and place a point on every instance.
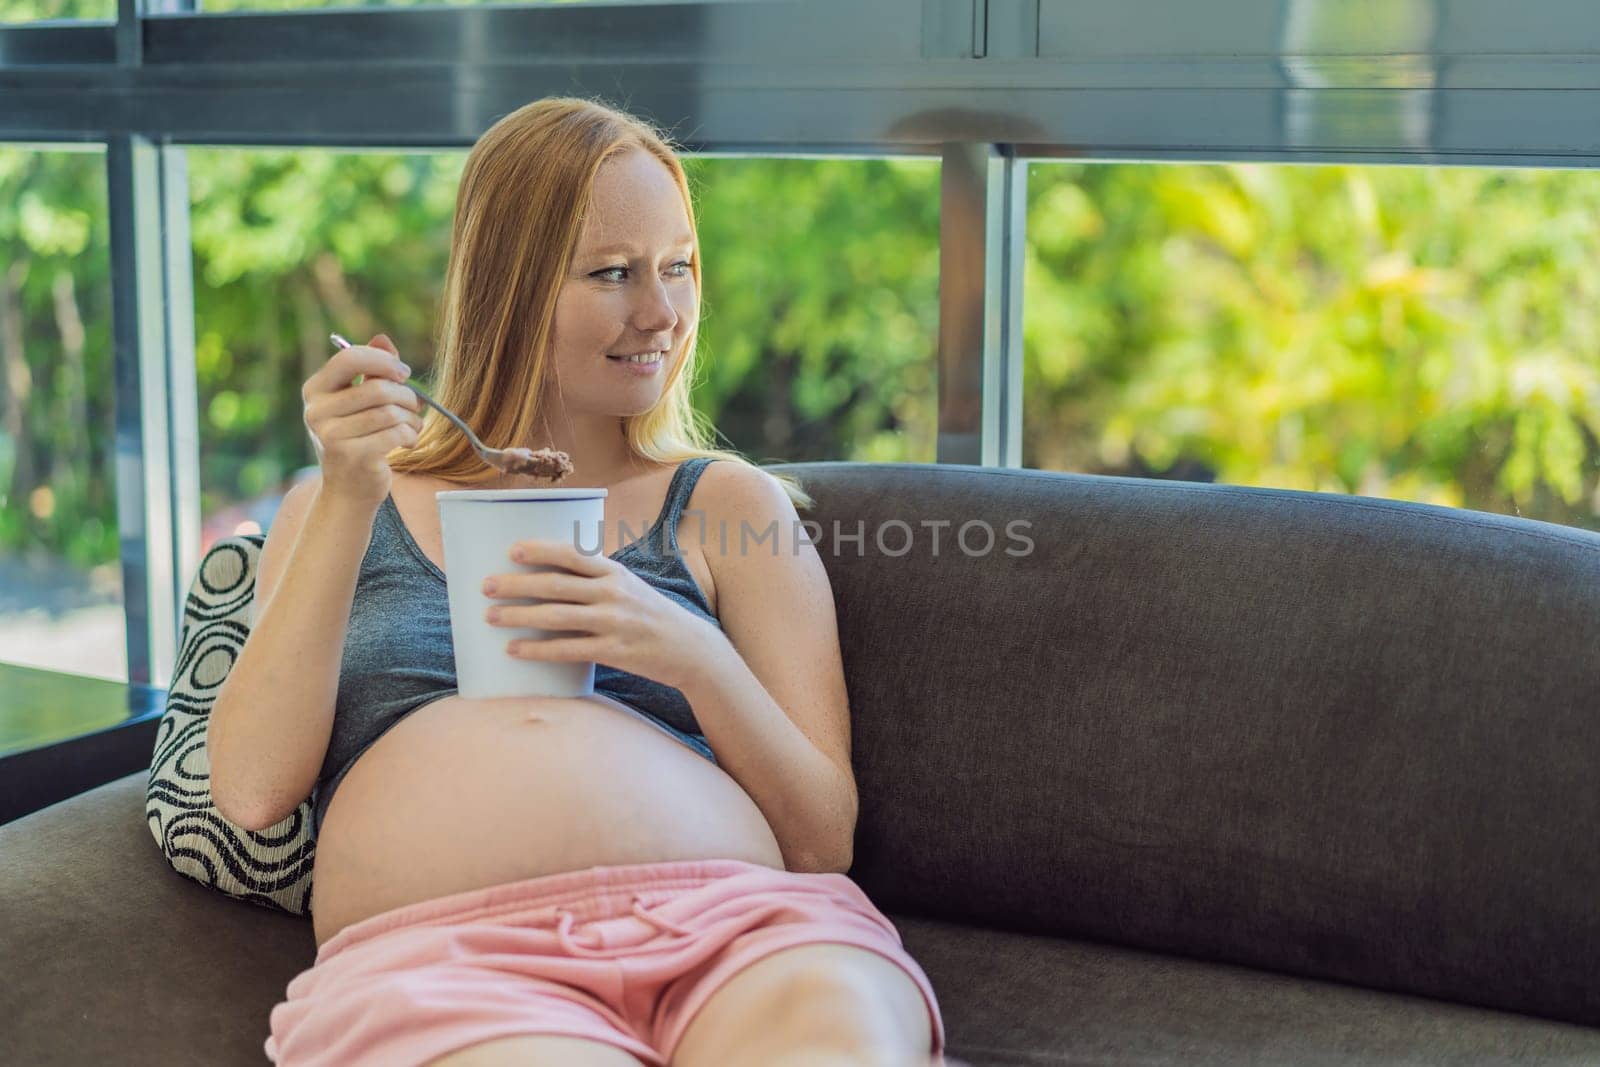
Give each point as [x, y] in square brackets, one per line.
[37, 10]
[57, 422]
[812, 264]
[1417, 333]
[821, 305]
[288, 246]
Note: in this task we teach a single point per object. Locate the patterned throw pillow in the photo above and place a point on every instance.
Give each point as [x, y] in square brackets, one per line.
[269, 867]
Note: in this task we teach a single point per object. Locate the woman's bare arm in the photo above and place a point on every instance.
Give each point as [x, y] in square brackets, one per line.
[273, 718]
[772, 699]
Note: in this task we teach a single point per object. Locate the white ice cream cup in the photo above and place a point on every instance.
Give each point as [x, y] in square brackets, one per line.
[480, 526]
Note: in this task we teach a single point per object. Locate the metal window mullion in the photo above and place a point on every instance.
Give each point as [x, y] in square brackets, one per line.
[962, 276]
[157, 445]
[982, 219]
[130, 34]
[157, 433]
[1005, 239]
[183, 393]
[142, 468]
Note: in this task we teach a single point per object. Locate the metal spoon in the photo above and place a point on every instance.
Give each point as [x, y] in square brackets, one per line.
[546, 464]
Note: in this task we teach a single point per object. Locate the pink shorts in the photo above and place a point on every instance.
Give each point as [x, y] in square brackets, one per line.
[621, 954]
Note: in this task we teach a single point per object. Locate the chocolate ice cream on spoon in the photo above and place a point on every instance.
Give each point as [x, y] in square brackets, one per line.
[541, 463]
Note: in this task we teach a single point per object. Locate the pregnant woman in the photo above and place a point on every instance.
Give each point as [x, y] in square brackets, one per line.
[654, 874]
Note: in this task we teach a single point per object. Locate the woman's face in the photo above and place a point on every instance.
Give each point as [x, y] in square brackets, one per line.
[629, 290]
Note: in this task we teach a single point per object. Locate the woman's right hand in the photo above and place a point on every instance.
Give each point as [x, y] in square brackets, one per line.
[354, 426]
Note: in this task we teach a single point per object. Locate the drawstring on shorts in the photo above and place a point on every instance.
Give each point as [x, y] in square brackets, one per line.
[570, 944]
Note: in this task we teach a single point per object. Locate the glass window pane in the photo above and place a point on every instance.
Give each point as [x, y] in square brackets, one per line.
[290, 246]
[60, 569]
[37, 10]
[15, 11]
[213, 6]
[1416, 333]
[818, 332]
[820, 329]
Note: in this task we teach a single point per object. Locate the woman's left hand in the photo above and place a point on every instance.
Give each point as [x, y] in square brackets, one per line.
[619, 618]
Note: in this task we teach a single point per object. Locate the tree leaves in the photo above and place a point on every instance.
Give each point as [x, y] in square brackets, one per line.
[1423, 333]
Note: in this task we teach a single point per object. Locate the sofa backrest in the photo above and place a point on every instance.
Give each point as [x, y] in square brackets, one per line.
[1341, 737]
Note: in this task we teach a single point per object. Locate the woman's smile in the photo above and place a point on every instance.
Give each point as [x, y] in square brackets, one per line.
[645, 365]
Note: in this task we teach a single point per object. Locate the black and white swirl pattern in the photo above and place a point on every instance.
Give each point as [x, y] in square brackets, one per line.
[271, 867]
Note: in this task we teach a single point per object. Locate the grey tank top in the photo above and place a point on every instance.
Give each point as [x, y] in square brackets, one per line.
[398, 654]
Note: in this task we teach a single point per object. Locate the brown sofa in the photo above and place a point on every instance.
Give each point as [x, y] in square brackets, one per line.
[1198, 774]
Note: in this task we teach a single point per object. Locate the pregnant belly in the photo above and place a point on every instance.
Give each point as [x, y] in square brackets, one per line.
[463, 794]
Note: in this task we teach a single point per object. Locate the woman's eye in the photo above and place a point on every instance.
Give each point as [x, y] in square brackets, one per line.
[685, 273]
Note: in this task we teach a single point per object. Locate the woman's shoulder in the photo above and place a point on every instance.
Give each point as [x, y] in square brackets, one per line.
[749, 504]
[737, 477]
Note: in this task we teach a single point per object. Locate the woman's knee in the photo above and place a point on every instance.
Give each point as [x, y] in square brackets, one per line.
[538, 1050]
[867, 1007]
[829, 1002]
